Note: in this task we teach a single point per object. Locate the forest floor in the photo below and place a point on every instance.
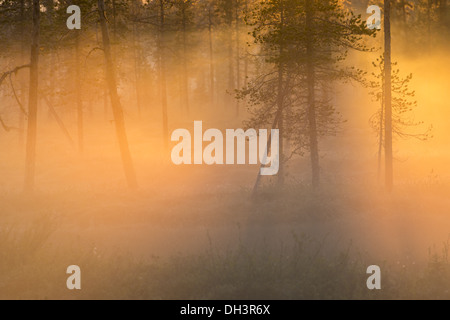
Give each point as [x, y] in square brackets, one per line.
[194, 232]
[114, 235]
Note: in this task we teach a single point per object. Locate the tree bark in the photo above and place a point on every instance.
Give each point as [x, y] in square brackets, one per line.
[30, 160]
[185, 71]
[162, 77]
[238, 67]
[114, 20]
[310, 79]
[115, 102]
[58, 120]
[381, 132]
[278, 121]
[388, 97]
[211, 57]
[137, 66]
[280, 106]
[78, 91]
[231, 86]
[246, 56]
[22, 79]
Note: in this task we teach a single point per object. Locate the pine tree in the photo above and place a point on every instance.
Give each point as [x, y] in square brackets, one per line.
[303, 44]
[404, 126]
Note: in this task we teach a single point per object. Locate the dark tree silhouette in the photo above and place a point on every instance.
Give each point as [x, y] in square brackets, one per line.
[115, 101]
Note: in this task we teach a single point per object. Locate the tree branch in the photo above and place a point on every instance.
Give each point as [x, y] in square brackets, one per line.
[17, 98]
[5, 127]
[15, 70]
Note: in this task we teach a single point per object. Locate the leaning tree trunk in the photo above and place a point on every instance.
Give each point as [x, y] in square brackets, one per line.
[30, 160]
[310, 79]
[115, 102]
[388, 97]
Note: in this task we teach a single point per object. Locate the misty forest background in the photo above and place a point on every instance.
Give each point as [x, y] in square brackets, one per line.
[86, 177]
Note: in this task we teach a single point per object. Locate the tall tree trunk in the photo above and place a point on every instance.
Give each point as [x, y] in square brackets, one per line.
[21, 77]
[137, 66]
[162, 76]
[429, 23]
[381, 132]
[78, 91]
[49, 7]
[388, 96]
[278, 121]
[185, 71]
[114, 20]
[231, 86]
[246, 57]
[238, 61]
[30, 160]
[310, 79]
[280, 106]
[115, 102]
[211, 56]
[267, 152]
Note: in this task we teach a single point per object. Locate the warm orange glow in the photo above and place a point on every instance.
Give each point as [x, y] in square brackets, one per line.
[191, 74]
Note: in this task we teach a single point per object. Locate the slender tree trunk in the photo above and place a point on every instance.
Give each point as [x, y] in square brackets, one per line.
[136, 68]
[185, 71]
[49, 7]
[238, 61]
[381, 133]
[114, 20]
[429, 22]
[388, 96]
[30, 160]
[310, 79]
[115, 102]
[246, 57]
[268, 150]
[280, 106]
[231, 86]
[281, 127]
[78, 91]
[162, 77]
[211, 57]
[21, 77]
[58, 120]
[278, 121]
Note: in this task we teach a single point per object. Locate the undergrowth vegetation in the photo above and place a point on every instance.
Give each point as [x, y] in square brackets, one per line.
[32, 269]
